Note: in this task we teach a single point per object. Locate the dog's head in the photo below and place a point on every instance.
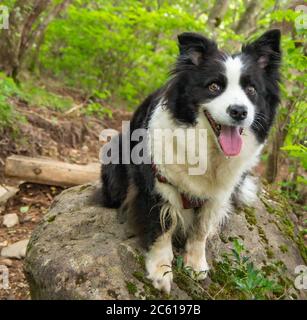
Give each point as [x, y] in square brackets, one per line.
[233, 92]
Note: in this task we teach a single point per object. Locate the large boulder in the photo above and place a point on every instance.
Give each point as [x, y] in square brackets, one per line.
[81, 251]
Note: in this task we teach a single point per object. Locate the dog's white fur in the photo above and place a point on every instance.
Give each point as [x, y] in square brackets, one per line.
[159, 263]
[234, 94]
[215, 185]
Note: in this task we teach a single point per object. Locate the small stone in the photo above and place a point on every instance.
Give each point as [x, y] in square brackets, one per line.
[6, 193]
[3, 243]
[84, 149]
[6, 262]
[10, 220]
[16, 250]
[26, 219]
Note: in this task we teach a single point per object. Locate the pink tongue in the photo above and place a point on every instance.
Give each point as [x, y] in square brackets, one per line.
[230, 140]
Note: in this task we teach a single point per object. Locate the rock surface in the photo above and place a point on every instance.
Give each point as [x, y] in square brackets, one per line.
[16, 250]
[81, 251]
[10, 220]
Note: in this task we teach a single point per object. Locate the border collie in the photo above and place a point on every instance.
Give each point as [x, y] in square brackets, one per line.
[233, 98]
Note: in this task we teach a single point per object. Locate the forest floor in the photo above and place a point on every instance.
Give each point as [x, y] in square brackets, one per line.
[69, 135]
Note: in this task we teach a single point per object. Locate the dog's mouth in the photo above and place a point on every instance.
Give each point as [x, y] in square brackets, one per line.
[228, 137]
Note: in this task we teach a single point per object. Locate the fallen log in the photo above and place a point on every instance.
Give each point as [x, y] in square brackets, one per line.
[50, 172]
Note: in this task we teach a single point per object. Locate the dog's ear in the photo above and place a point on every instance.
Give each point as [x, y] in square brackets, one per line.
[195, 47]
[265, 50]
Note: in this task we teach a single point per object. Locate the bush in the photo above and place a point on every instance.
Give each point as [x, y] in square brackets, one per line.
[8, 89]
[125, 49]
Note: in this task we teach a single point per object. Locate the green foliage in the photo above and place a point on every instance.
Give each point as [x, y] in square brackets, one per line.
[290, 188]
[8, 3]
[131, 287]
[291, 120]
[125, 48]
[96, 109]
[8, 89]
[39, 96]
[24, 209]
[294, 106]
[238, 275]
[234, 276]
[28, 92]
[297, 151]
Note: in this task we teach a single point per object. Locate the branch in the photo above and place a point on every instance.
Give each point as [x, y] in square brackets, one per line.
[36, 11]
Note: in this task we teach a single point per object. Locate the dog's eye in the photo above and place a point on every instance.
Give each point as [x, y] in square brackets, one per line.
[214, 87]
[250, 90]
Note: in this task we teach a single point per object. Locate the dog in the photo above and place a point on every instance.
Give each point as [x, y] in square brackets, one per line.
[234, 98]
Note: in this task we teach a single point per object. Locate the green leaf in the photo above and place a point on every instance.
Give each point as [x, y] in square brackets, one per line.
[24, 209]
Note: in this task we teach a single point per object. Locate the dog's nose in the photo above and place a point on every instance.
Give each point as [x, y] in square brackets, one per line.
[237, 112]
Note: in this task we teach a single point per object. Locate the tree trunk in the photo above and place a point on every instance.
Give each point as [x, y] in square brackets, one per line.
[9, 39]
[217, 12]
[247, 18]
[38, 32]
[37, 10]
[34, 62]
[22, 33]
[273, 159]
[282, 128]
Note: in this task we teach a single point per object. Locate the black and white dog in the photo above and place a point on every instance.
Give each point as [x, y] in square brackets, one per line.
[234, 98]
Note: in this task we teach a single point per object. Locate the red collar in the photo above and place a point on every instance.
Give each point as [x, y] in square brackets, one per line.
[187, 202]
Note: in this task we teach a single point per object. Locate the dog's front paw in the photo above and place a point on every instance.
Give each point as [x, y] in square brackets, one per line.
[197, 264]
[160, 273]
[162, 279]
[159, 263]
